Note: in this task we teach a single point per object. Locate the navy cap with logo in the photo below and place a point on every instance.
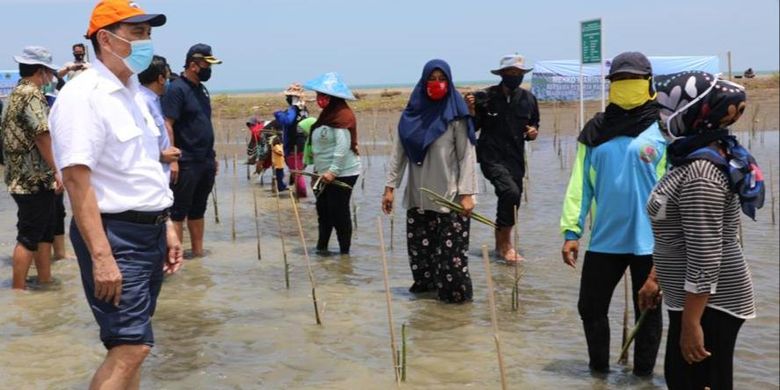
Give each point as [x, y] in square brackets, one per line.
[202, 51]
[632, 62]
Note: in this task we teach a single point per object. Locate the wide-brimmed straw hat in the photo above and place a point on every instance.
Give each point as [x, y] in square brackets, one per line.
[294, 89]
[511, 61]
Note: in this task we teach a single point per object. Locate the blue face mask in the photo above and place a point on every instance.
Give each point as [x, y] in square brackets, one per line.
[141, 53]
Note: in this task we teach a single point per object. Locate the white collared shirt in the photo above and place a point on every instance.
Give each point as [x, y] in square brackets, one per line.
[100, 123]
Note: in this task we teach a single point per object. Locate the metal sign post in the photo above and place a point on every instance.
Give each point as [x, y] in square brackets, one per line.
[590, 53]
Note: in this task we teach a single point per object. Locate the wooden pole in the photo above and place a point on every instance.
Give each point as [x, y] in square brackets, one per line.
[233, 212]
[494, 316]
[317, 316]
[728, 54]
[392, 229]
[257, 224]
[216, 207]
[389, 301]
[772, 190]
[516, 285]
[624, 356]
[284, 246]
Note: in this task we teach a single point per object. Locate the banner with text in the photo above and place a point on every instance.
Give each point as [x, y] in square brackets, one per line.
[559, 80]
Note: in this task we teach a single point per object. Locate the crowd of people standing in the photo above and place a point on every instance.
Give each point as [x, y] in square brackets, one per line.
[133, 147]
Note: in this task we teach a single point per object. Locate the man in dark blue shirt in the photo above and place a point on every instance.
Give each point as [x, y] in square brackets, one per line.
[187, 110]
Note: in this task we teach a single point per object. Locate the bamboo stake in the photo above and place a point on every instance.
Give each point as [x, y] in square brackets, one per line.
[389, 301]
[403, 352]
[494, 316]
[216, 207]
[624, 354]
[233, 212]
[392, 228]
[516, 285]
[257, 224]
[284, 246]
[772, 191]
[317, 316]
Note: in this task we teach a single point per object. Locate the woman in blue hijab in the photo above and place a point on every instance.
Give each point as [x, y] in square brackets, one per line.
[436, 142]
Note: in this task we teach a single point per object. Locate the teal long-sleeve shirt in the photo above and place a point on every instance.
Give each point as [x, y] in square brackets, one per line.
[331, 151]
[613, 181]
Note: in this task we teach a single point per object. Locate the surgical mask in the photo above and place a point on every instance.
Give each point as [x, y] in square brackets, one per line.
[630, 94]
[141, 53]
[436, 90]
[323, 100]
[204, 74]
[511, 82]
[49, 83]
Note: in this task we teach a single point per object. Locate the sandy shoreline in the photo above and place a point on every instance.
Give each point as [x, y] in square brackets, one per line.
[378, 109]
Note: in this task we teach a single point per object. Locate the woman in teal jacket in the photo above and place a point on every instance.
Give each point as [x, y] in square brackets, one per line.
[333, 140]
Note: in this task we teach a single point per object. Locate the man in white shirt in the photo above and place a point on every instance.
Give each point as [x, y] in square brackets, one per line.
[75, 67]
[106, 145]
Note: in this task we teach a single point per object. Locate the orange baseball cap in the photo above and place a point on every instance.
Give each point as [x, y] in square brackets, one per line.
[108, 12]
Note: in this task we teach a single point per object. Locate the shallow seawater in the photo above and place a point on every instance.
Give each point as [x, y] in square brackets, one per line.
[227, 320]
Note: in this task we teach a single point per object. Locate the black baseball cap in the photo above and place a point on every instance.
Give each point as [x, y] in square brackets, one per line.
[203, 51]
[632, 62]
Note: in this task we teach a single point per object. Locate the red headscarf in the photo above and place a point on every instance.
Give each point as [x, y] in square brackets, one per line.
[338, 115]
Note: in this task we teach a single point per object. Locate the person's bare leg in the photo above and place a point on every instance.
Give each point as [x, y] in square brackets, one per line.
[43, 262]
[59, 249]
[121, 368]
[504, 248]
[22, 259]
[135, 384]
[196, 228]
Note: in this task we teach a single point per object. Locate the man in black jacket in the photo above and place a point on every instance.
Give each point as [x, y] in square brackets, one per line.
[507, 116]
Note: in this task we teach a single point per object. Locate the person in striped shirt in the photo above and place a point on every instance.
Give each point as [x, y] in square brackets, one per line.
[694, 211]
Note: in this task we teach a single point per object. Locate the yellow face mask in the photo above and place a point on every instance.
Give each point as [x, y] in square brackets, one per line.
[629, 94]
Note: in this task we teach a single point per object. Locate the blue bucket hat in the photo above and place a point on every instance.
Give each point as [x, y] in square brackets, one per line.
[330, 84]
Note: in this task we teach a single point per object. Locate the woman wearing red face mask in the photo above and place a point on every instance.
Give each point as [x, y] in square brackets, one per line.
[436, 142]
[333, 140]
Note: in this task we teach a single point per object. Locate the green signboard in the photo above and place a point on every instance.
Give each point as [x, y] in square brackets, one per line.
[590, 32]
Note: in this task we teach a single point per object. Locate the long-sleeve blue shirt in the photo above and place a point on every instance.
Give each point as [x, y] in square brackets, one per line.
[613, 181]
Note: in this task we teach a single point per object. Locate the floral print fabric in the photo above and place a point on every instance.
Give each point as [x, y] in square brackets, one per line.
[438, 244]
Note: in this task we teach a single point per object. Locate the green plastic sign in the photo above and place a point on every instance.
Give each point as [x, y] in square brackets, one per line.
[590, 32]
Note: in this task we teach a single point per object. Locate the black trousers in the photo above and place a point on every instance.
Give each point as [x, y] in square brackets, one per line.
[716, 372]
[333, 212]
[509, 189]
[601, 272]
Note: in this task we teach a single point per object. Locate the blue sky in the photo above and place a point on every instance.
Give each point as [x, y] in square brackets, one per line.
[269, 43]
